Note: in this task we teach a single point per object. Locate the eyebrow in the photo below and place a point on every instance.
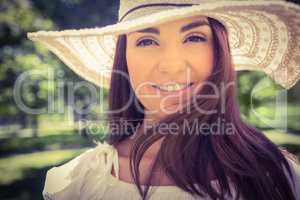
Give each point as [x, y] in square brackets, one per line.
[186, 27]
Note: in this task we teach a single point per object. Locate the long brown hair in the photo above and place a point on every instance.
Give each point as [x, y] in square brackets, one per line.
[246, 158]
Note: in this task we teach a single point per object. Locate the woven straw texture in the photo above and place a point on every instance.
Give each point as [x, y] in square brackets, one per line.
[263, 36]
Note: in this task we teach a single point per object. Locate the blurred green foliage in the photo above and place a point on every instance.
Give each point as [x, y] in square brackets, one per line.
[21, 58]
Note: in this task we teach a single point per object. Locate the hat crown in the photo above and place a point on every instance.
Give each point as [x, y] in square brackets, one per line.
[132, 9]
[262, 36]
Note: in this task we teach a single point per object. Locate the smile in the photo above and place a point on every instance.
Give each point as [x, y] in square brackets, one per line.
[172, 88]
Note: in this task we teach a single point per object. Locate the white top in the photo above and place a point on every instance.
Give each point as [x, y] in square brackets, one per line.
[88, 177]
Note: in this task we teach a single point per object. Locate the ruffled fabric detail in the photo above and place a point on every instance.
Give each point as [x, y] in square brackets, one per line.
[69, 181]
[88, 177]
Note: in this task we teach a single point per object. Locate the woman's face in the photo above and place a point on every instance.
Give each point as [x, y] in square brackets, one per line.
[180, 51]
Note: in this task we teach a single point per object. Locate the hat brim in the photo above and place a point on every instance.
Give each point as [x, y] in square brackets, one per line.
[263, 36]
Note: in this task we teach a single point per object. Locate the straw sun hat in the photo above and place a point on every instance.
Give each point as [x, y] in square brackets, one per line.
[264, 35]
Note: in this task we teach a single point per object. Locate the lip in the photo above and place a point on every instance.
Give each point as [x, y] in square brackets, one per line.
[182, 91]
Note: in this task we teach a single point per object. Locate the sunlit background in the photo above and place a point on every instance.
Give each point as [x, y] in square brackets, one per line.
[30, 144]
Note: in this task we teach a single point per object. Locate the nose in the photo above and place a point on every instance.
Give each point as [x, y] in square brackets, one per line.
[172, 62]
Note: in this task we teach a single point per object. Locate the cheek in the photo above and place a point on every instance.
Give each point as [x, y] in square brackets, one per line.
[203, 63]
[138, 68]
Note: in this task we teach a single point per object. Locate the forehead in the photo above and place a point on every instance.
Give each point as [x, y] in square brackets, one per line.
[185, 20]
[184, 23]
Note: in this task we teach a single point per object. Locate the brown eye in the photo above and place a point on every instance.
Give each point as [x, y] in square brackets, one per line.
[145, 42]
[196, 38]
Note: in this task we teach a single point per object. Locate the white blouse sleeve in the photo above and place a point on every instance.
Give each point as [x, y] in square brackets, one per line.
[83, 177]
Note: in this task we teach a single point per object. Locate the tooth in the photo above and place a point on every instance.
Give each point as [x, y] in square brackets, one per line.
[173, 87]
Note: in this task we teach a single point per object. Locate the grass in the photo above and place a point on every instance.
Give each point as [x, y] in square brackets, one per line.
[23, 174]
[48, 125]
[289, 141]
[282, 138]
[65, 140]
[14, 168]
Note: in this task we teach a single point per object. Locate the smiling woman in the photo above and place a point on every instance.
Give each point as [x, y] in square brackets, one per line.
[173, 66]
[179, 52]
[232, 152]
